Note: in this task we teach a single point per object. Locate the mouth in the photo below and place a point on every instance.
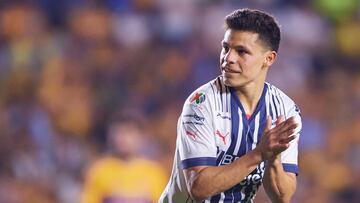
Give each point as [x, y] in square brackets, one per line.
[227, 69]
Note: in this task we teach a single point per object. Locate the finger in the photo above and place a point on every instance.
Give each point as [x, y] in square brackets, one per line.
[282, 147]
[286, 134]
[280, 122]
[288, 130]
[288, 139]
[268, 124]
[286, 126]
[280, 119]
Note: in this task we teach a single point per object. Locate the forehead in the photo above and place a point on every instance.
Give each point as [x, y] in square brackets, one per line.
[242, 38]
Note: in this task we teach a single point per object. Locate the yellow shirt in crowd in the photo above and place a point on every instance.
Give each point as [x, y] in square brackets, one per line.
[111, 180]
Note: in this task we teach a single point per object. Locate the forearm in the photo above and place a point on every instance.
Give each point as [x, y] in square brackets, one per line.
[278, 184]
[213, 180]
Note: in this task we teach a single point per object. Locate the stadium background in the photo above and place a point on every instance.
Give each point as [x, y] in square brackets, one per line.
[67, 66]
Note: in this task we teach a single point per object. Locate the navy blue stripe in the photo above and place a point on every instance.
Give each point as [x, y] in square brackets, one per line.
[221, 91]
[220, 157]
[243, 146]
[215, 199]
[199, 161]
[272, 113]
[229, 195]
[227, 98]
[276, 110]
[261, 102]
[292, 168]
[234, 124]
[262, 123]
[251, 134]
[279, 104]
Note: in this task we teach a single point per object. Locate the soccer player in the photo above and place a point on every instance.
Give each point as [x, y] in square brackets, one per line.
[238, 131]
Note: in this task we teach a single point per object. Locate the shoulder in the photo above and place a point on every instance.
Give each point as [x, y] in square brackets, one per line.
[208, 93]
[289, 105]
[276, 92]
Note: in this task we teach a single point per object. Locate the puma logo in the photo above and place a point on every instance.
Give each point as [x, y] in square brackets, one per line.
[222, 136]
[191, 134]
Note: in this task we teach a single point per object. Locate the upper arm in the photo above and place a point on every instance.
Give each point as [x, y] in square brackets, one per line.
[289, 157]
[196, 141]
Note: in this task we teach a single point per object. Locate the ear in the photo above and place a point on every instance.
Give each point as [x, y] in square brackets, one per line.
[270, 57]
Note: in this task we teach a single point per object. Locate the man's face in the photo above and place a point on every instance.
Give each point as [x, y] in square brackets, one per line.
[126, 139]
[243, 58]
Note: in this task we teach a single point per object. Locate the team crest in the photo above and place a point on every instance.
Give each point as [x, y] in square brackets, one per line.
[198, 98]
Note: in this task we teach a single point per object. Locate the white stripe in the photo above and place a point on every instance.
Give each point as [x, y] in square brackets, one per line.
[214, 92]
[256, 130]
[219, 97]
[267, 104]
[239, 135]
[224, 98]
[229, 101]
[277, 103]
[222, 197]
[282, 103]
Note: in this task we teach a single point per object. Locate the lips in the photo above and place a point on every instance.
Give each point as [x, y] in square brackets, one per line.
[229, 70]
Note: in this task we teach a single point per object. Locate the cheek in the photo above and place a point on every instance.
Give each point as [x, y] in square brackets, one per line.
[252, 62]
[221, 59]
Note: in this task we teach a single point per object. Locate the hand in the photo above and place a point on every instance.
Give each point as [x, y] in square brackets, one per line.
[276, 140]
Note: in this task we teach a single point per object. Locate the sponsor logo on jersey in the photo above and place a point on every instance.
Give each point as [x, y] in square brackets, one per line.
[191, 134]
[196, 117]
[223, 116]
[192, 123]
[198, 98]
[222, 136]
[250, 184]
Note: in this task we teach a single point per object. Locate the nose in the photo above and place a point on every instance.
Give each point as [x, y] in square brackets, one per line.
[230, 56]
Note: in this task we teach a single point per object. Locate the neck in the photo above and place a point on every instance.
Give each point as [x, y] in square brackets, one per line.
[249, 96]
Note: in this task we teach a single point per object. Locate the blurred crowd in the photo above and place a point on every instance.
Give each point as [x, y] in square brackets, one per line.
[67, 67]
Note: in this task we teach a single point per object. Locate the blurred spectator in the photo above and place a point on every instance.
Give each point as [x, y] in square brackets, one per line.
[66, 66]
[123, 174]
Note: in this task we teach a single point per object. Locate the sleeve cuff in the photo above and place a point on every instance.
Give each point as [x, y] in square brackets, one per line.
[292, 168]
[199, 161]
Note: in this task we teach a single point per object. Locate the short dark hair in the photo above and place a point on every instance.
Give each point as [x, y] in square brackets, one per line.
[258, 22]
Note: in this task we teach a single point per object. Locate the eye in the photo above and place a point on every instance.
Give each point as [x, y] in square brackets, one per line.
[241, 51]
[225, 48]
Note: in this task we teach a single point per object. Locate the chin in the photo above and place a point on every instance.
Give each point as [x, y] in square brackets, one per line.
[232, 82]
[229, 82]
[226, 81]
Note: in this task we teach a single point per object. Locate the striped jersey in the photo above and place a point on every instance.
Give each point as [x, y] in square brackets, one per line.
[213, 130]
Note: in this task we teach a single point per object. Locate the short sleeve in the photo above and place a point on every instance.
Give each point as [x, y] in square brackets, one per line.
[289, 157]
[196, 142]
